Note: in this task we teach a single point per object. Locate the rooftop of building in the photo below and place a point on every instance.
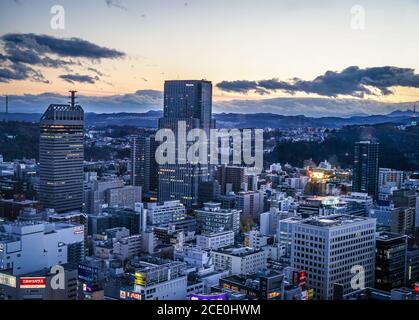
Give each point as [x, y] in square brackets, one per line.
[333, 221]
[238, 251]
[388, 236]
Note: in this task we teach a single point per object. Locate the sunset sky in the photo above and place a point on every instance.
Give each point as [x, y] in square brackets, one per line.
[249, 49]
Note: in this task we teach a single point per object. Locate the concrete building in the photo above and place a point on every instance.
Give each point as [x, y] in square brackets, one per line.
[358, 204]
[215, 241]
[195, 257]
[127, 247]
[240, 260]
[254, 239]
[250, 203]
[157, 279]
[125, 197]
[327, 248]
[95, 194]
[32, 246]
[162, 213]
[134, 220]
[214, 219]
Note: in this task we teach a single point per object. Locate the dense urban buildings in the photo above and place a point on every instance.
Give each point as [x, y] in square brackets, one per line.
[126, 228]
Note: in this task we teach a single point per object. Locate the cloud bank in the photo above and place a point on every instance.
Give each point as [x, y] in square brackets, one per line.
[352, 81]
[22, 53]
[146, 100]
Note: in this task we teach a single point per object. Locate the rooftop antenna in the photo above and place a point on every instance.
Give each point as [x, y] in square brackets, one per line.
[73, 98]
[7, 104]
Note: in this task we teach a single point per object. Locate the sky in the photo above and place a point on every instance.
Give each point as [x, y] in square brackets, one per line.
[251, 50]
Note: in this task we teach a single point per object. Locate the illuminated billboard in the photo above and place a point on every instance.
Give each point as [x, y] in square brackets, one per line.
[140, 279]
[33, 283]
[209, 297]
[128, 295]
[7, 280]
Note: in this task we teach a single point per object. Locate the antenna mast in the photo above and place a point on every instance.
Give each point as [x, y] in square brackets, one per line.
[73, 98]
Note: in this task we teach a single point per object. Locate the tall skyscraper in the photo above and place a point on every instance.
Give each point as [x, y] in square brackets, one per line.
[144, 166]
[189, 102]
[365, 173]
[61, 156]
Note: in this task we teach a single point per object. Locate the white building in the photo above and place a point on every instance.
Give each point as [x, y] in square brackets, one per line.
[330, 248]
[32, 246]
[127, 247]
[195, 257]
[214, 219]
[158, 279]
[215, 240]
[254, 239]
[167, 212]
[240, 260]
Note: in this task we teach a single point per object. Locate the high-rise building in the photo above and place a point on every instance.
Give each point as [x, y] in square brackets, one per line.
[390, 261]
[61, 156]
[365, 173]
[329, 248]
[188, 102]
[144, 170]
[231, 178]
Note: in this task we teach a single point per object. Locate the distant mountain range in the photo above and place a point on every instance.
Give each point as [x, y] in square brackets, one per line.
[229, 120]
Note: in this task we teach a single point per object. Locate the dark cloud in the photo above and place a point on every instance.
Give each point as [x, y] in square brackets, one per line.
[72, 78]
[352, 81]
[20, 71]
[116, 4]
[241, 86]
[94, 70]
[72, 47]
[21, 52]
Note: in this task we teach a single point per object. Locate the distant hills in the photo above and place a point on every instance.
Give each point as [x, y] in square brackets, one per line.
[229, 120]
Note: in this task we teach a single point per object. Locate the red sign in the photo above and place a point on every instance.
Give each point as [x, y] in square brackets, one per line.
[127, 295]
[33, 283]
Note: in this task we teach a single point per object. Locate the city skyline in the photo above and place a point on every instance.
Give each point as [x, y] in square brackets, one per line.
[271, 50]
[240, 152]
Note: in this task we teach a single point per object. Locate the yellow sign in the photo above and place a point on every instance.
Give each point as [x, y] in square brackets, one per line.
[310, 294]
[140, 279]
